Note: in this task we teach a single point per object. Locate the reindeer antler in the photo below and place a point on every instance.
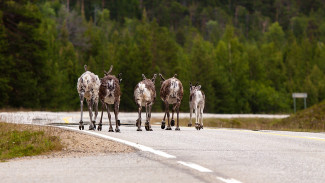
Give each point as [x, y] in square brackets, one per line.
[162, 78]
[196, 84]
[175, 75]
[85, 67]
[110, 70]
[190, 84]
[143, 77]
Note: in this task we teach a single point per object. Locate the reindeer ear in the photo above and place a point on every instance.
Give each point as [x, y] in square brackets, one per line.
[175, 75]
[198, 87]
[190, 85]
[162, 78]
[154, 78]
[85, 67]
[143, 77]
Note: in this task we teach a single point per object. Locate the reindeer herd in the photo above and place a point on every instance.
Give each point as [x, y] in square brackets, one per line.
[107, 90]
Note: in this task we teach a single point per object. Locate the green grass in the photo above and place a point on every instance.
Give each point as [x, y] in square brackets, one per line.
[25, 140]
[310, 119]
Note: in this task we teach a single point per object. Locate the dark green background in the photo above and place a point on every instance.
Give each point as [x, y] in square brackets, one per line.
[248, 55]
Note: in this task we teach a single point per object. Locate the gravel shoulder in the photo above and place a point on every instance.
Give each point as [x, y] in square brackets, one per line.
[77, 144]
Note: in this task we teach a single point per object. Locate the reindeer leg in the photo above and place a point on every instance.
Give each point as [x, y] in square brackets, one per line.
[167, 111]
[139, 118]
[81, 126]
[96, 113]
[117, 121]
[177, 110]
[201, 112]
[190, 122]
[101, 118]
[90, 105]
[197, 125]
[109, 118]
[163, 123]
[148, 126]
[172, 122]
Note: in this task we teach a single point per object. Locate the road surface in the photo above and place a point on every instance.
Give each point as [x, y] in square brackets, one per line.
[208, 155]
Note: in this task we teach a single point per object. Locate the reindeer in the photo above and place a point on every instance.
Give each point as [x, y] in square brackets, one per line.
[88, 87]
[144, 96]
[171, 92]
[110, 93]
[197, 101]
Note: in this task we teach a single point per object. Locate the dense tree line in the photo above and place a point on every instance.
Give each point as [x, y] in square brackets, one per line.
[249, 56]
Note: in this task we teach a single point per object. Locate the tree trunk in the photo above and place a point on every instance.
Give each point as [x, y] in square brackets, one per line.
[68, 4]
[82, 8]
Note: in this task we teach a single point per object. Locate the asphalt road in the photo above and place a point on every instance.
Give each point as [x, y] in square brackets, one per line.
[208, 155]
[242, 155]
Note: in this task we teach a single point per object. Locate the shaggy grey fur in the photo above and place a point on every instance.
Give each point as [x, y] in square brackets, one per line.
[197, 102]
[171, 92]
[110, 93]
[88, 87]
[145, 96]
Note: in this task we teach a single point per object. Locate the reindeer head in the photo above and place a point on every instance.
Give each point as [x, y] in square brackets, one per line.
[194, 88]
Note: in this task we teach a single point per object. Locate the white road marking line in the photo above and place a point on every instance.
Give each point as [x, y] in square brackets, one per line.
[157, 152]
[194, 166]
[228, 180]
[132, 144]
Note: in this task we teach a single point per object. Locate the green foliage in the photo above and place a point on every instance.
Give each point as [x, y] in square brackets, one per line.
[248, 56]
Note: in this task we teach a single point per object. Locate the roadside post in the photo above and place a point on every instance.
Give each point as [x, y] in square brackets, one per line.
[299, 95]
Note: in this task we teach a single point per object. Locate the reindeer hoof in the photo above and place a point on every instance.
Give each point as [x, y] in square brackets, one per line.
[163, 124]
[139, 129]
[118, 122]
[91, 128]
[168, 128]
[172, 122]
[189, 125]
[150, 129]
[177, 129]
[110, 130]
[147, 126]
[117, 130]
[201, 126]
[81, 125]
[94, 122]
[99, 127]
[197, 126]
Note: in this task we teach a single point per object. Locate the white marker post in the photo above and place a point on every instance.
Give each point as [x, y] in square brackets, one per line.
[299, 95]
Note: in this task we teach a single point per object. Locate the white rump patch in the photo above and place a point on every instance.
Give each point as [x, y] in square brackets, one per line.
[174, 88]
[142, 94]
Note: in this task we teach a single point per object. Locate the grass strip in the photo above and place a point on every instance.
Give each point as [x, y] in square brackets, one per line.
[25, 140]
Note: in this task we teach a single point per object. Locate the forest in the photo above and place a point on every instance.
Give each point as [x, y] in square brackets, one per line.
[248, 55]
